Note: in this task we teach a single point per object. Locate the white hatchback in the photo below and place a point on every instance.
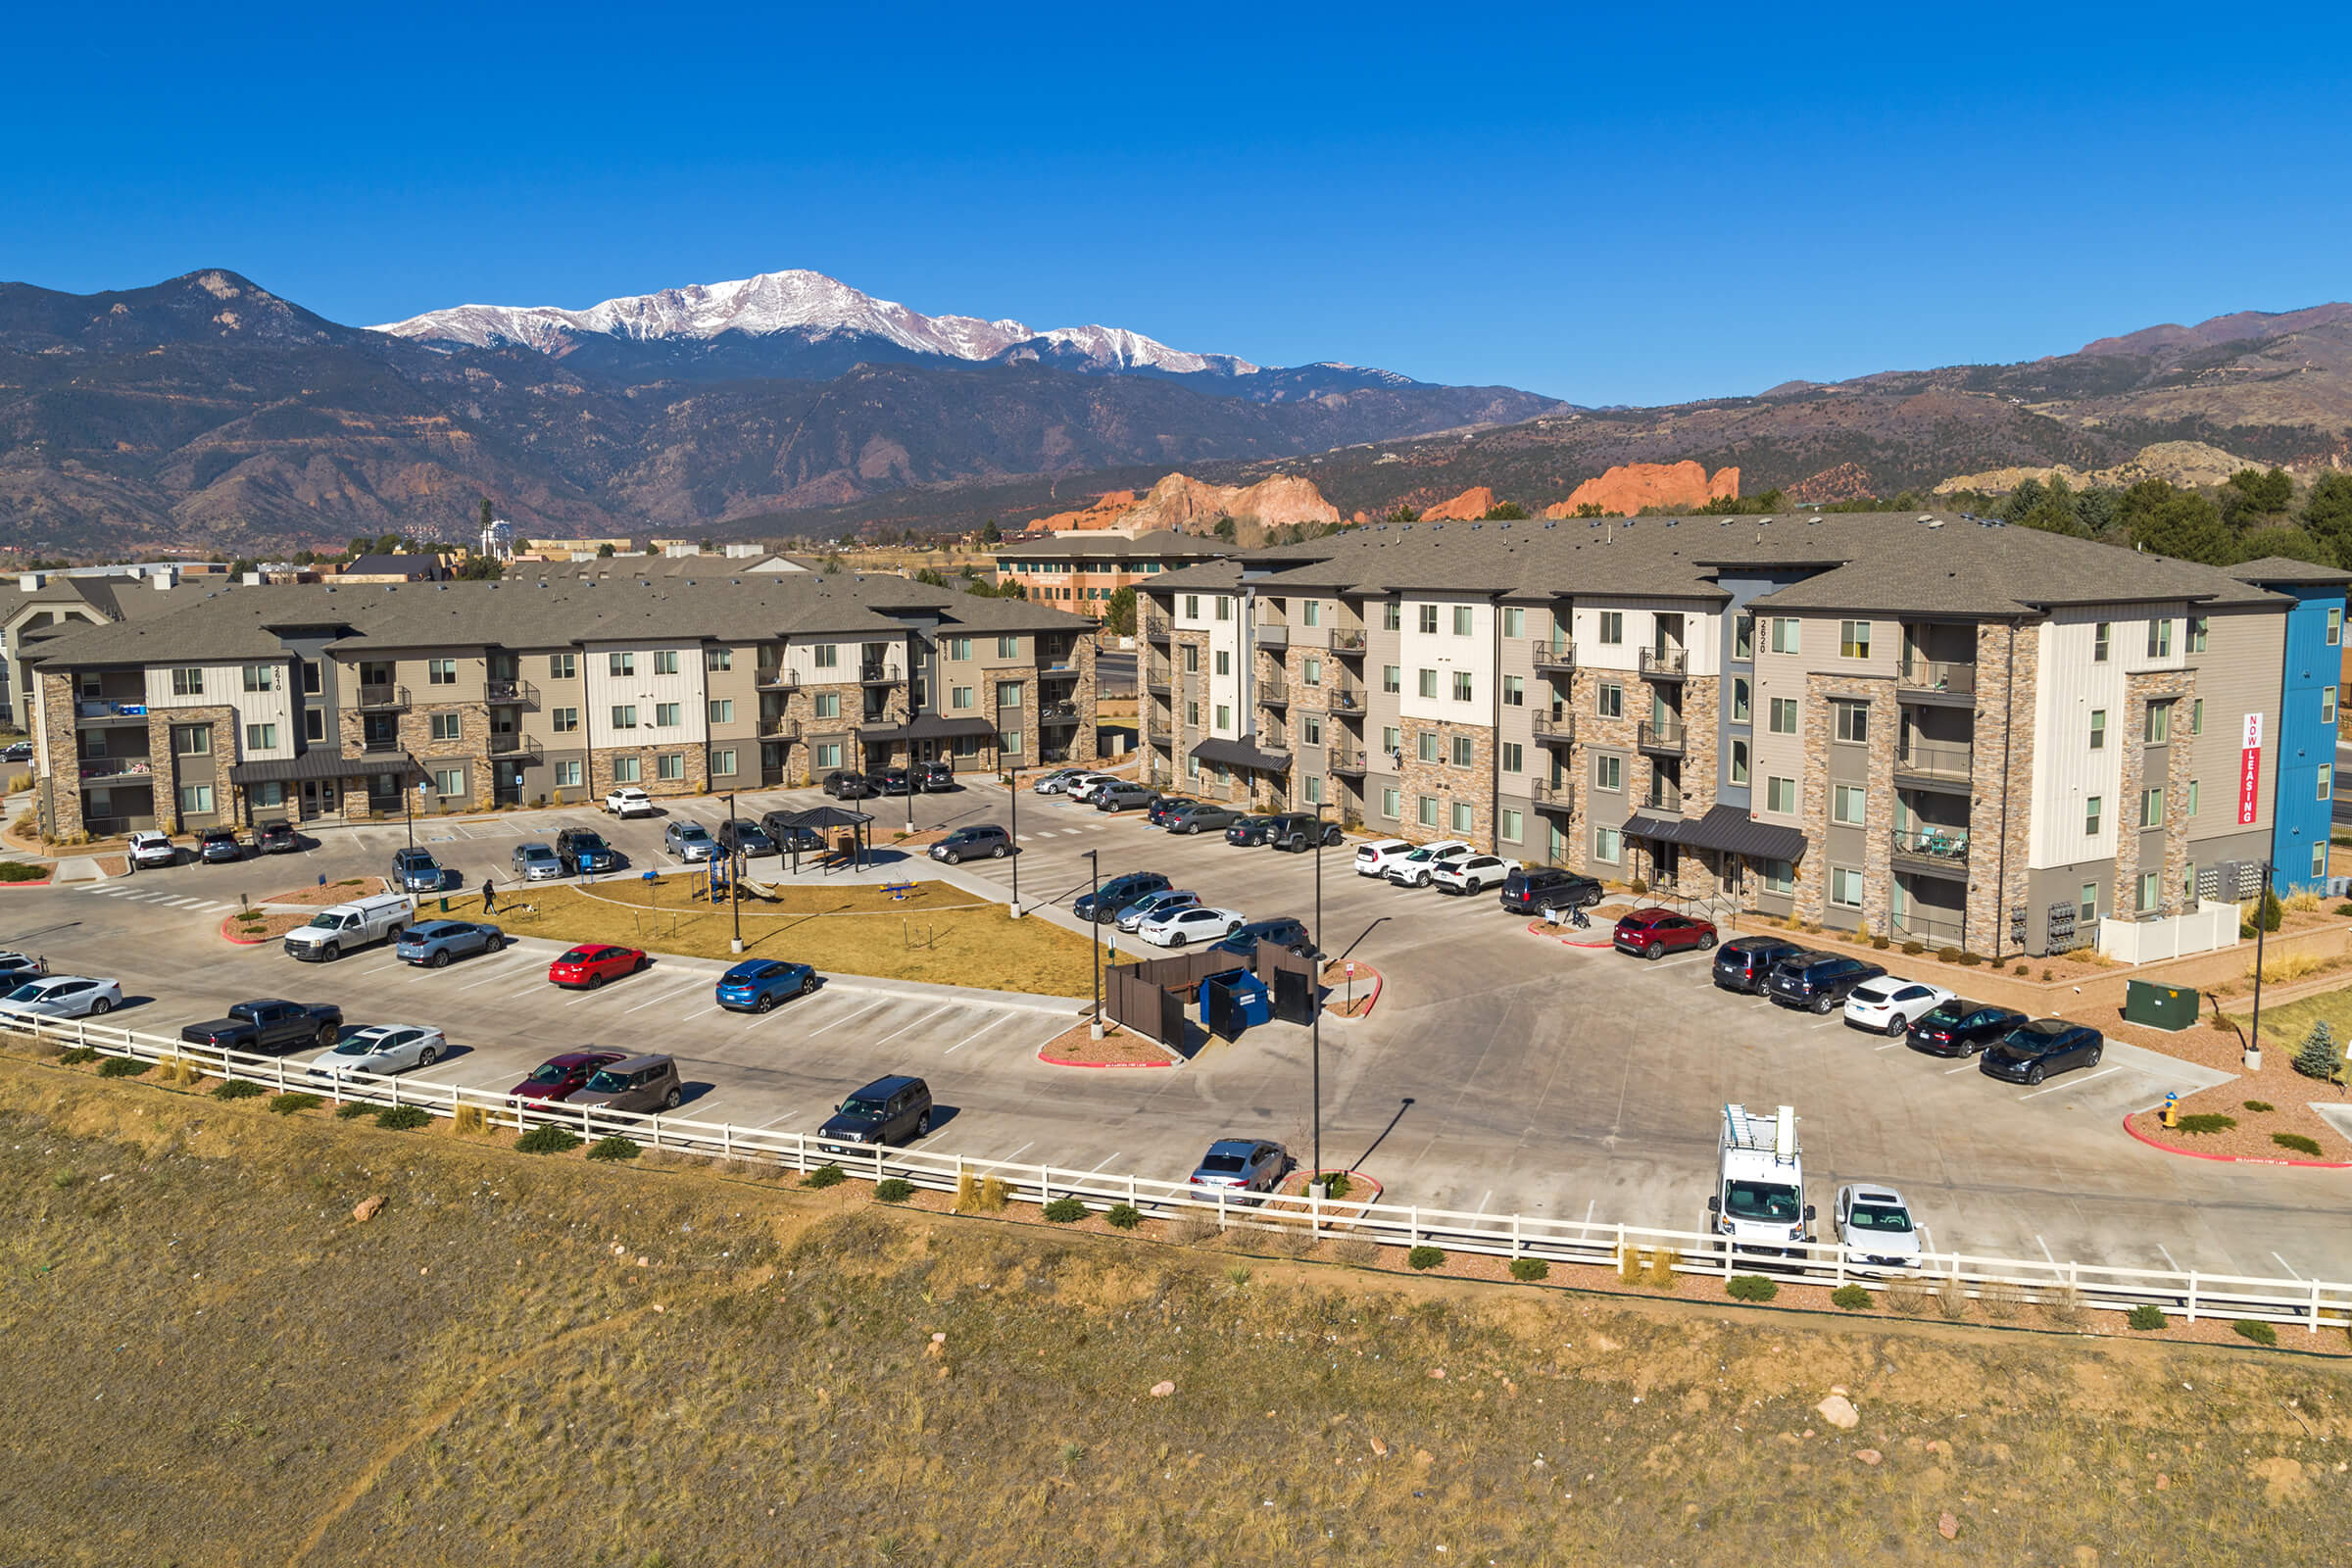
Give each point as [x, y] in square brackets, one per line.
[1890, 1005]
[1375, 859]
[1193, 923]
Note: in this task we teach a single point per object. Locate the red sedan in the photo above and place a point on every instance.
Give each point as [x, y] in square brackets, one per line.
[558, 1076]
[591, 964]
[1653, 933]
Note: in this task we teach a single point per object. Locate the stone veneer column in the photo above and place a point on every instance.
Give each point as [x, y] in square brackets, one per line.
[1085, 744]
[2008, 668]
[1878, 793]
[1592, 733]
[64, 751]
[2138, 691]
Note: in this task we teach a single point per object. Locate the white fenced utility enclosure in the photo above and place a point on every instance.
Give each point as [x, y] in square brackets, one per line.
[2212, 927]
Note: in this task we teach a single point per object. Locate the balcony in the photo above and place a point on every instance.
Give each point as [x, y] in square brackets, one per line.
[1933, 680]
[880, 672]
[1273, 635]
[382, 746]
[776, 678]
[108, 769]
[512, 746]
[1665, 797]
[1935, 851]
[381, 697]
[1272, 693]
[1544, 654]
[1942, 765]
[1159, 632]
[1159, 732]
[1662, 737]
[93, 713]
[778, 727]
[1550, 795]
[1665, 663]
[1349, 760]
[1157, 678]
[1344, 694]
[513, 693]
[1349, 640]
[1058, 712]
[1554, 726]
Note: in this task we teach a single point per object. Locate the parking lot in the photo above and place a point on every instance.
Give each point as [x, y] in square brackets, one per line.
[1500, 1072]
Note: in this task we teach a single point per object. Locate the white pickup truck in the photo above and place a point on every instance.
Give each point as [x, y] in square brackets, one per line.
[340, 927]
[1759, 1202]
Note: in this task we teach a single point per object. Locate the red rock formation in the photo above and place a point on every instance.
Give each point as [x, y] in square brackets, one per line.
[1629, 487]
[1468, 507]
[1189, 506]
[1106, 511]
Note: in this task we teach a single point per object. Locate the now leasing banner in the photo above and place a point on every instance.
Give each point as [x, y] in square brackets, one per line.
[2249, 770]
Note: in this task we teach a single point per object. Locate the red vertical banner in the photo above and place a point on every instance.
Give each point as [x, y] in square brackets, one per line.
[2249, 771]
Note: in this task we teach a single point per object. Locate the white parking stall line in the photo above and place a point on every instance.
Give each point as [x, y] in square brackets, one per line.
[860, 1013]
[2046, 1248]
[999, 1019]
[1830, 1023]
[670, 995]
[2289, 1267]
[2169, 1261]
[919, 1022]
[503, 961]
[1681, 962]
[1007, 1159]
[1963, 1067]
[1115, 1153]
[1889, 1045]
[2076, 1084]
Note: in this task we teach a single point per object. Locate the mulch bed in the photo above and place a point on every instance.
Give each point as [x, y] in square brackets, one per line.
[340, 892]
[1367, 983]
[268, 928]
[1076, 1046]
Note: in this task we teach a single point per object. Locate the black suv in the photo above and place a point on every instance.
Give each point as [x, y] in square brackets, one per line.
[1539, 888]
[277, 837]
[969, 843]
[1746, 963]
[579, 848]
[888, 1111]
[1116, 893]
[894, 781]
[1817, 980]
[1297, 832]
[936, 777]
[735, 834]
[1284, 932]
[847, 786]
[1249, 831]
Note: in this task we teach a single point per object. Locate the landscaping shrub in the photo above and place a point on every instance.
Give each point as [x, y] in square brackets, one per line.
[1969, 960]
[614, 1148]
[1951, 1299]
[2273, 912]
[1530, 1269]
[1907, 1296]
[1065, 1210]
[1640, 886]
[1662, 1276]
[1356, 1252]
[2020, 969]
[897, 1190]
[1879, 943]
[825, 1176]
[2344, 909]
[1336, 1184]
[1192, 1230]
[1849, 1298]
[2259, 1333]
[1124, 1216]
[2145, 1317]
[1947, 954]
[2064, 1305]
[2046, 975]
[995, 1195]
[1751, 1287]
[1629, 1265]
[2297, 1142]
[2260, 1104]
[239, 1089]
[122, 1068]
[352, 1110]
[2001, 1300]
[2207, 1121]
[287, 1104]
[469, 1119]
[548, 1140]
[403, 1118]
[1424, 1257]
[967, 1193]
[1914, 949]
[19, 871]
[2321, 1056]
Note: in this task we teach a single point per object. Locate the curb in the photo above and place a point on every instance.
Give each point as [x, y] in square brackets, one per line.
[44, 882]
[2231, 1159]
[1379, 984]
[1057, 1061]
[1542, 928]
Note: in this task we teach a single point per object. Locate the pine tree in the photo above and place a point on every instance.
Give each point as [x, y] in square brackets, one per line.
[2320, 1056]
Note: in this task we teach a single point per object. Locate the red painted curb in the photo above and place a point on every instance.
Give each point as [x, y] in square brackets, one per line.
[2231, 1159]
[1057, 1062]
[1379, 984]
[44, 882]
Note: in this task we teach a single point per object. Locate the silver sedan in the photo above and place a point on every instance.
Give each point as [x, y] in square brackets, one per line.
[380, 1049]
[63, 996]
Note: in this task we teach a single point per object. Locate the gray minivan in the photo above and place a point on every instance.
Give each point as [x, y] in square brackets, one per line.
[647, 1084]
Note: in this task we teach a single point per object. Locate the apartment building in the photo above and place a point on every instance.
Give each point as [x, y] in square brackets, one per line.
[1965, 733]
[336, 701]
[1080, 571]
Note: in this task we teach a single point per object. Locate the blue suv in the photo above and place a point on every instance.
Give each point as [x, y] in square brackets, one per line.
[416, 871]
[436, 942]
[758, 984]
[1116, 893]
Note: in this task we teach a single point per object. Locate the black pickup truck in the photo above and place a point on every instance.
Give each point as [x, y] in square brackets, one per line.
[269, 1028]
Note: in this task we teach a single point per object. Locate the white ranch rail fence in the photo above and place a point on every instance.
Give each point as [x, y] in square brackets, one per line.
[2189, 1294]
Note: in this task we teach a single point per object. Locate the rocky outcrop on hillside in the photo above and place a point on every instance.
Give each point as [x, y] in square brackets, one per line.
[1190, 506]
[1630, 486]
[1106, 513]
[2186, 462]
[1468, 507]
[1847, 482]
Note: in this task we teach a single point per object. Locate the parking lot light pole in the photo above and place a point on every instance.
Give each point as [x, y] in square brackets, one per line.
[1012, 788]
[407, 800]
[735, 872]
[2262, 912]
[1093, 943]
[1314, 999]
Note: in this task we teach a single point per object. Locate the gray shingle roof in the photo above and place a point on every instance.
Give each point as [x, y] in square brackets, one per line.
[2286, 570]
[1160, 545]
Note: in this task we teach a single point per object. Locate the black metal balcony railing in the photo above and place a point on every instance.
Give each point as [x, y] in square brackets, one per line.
[1548, 655]
[1158, 732]
[1159, 632]
[1665, 663]
[1554, 726]
[513, 693]
[94, 710]
[776, 678]
[778, 727]
[1938, 676]
[382, 695]
[1058, 712]
[1936, 760]
[1551, 794]
[1661, 735]
[1347, 640]
[1664, 797]
[95, 768]
[1157, 677]
[1273, 693]
[1943, 846]
[1344, 694]
[382, 746]
[515, 746]
[879, 673]
[1348, 760]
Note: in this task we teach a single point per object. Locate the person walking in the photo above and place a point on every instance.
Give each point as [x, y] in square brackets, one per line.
[489, 897]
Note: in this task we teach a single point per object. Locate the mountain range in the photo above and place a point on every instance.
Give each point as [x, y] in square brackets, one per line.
[207, 411]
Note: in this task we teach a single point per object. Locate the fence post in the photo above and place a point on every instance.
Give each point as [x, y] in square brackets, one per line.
[1131, 1189]
[2193, 1296]
[1220, 1209]
[657, 1132]
[2315, 1307]
[395, 1083]
[878, 1148]
[726, 1138]
[1314, 1209]
[1841, 1264]
[1413, 1226]
[1515, 1238]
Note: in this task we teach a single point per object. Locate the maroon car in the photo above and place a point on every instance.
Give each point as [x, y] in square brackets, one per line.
[1653, 933]
[558, 1076]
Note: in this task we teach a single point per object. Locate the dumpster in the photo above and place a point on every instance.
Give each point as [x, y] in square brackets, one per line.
[2160, 1006]
[1231, 1001]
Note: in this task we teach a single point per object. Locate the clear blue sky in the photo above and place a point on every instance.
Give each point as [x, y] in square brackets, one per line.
[1630, 204]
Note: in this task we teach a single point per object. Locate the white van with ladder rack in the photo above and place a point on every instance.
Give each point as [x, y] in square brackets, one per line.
[1759, 1202]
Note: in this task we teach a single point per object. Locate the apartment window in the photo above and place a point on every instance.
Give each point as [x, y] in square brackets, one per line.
[669, 766]
[2160, 639]
[825, 656]
[2318, 860]
[1224, 719]
[1192, 714]
[1514, 756]
[1426, 682]
[1739, 773]
[312, 679]
[1853, 721]
[1464, 817]
[620, 664]
[191, 740]
[1743, 636]
[260, 677]
[1392, 618]
[1510, 826]
[624, 717]
[1788, 635]
[195, 799]
[1392, 678]
[1192, 659]
[261, 737]
[2086, 907]
[1425, 746]
[2151, 808]
[2193, 797]
[567, 774]
[269, 794]
[960, 697]
[1462, 686]
[1612, 626]
[2098, 729]
[1608, 845]
[1191, 767]
[1784, 715]
[667, 715]
[2197, 627]
[1310, 612]
[2091, 810]
[1391, 739]
[1853, 639]
[1009, 647]
[1310, 671]
[1780, 876]
[2327, 790]
[1310, 729]
[826, 706]
[1514, 624]
[1608, 773]
[2196, 716]
[1846, 805]
[2099, 643]
[2335, 626]
[625, 770]
[314, 723]
[1224, 663]
[1462, 620]
[446, 728]
[829, 754]
[2159, 724]
[563, 719]
[1846, 887]
[1387, 803]
[665, 662]
[1514, 691]
[1426, 807]
[1314, 783]
[1009, 694]
[1426, 616]
[723, 710]
[722, 763]
[1191, 607]
[1224, 607]
[2328, 706]
[449, 781]
[1608, 699]
[188, 683]
[1464, 753]
[1741, 698]
[960, 647]
[1780, 794]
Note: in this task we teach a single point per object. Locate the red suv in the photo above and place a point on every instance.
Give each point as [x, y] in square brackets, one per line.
[1653, 933]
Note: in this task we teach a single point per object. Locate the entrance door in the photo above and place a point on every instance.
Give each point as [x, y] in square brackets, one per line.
[1732, 871]
[309, 799]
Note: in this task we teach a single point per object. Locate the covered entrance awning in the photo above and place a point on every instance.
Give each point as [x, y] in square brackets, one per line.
[1726, 829]
[1241, 752]
[314, 766]
[929, 727]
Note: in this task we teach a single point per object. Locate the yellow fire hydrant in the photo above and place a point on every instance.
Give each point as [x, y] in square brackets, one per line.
[2172, 1108]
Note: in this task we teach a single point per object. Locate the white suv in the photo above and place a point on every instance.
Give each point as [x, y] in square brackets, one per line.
[1891, 1005]
[1472, 873]
[629, 802]
[1375, 859]
[151, 847]
[1420, 867]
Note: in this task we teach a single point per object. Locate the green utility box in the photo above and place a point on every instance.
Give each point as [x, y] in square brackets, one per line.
[2159, 1006]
